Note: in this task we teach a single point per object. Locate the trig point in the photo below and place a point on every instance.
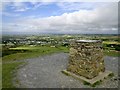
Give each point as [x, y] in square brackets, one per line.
[86, 61]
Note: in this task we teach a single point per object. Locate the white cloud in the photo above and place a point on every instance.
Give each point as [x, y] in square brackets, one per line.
[61, 0]
[16, 6]
[10, 14]
[19, 6]
[22, 6]
[39, 4]
[69, 6]
[100, 20]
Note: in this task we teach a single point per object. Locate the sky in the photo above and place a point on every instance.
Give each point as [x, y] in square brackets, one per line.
[59, 17]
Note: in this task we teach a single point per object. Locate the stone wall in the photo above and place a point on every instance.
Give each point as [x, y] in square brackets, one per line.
[86, 58]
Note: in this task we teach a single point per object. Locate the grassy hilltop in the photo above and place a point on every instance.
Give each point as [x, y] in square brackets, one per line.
[18, 48]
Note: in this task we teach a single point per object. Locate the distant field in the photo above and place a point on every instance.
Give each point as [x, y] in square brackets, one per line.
[42, 48]
[111, 42]
[32, 52]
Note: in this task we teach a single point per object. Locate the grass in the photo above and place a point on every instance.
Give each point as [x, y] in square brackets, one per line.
[92, 85]
[7, 74]
[96, 83]
[111, 42]
[33, 51]
[86, 83]
[34, 48]
[1, 73]
[112, 53]
[111, 75]
[9, 66]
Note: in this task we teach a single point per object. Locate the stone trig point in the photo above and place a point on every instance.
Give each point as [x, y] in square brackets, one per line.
[86, 61]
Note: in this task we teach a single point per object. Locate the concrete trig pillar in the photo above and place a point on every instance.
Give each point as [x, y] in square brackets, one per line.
[86, 61]
[86, 58]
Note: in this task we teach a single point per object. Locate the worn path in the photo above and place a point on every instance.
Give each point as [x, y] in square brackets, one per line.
[45, 72]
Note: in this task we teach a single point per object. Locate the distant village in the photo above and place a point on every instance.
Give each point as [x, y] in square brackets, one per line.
[35, 41]
[57, 40]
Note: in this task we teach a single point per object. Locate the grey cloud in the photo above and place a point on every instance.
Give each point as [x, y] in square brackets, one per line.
[102, 19]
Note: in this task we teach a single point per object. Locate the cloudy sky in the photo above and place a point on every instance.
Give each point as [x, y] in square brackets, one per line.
[60, 17]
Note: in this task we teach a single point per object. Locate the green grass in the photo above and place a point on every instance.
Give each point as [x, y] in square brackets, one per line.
[34, 48]
[7, 74]
[111, 75]
[86, 83]
[9, 66]
[112, 53]
[111, 42]
[92, 85]
[97, 83]
[0, 73]
[33, 52]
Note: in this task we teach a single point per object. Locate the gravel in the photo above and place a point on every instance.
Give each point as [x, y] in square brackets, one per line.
[45, 72]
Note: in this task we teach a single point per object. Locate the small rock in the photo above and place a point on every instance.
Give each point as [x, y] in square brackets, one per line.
[25, 75]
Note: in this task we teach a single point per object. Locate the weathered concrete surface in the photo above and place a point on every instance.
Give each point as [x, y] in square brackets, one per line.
[92, 81]
[45, 72]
